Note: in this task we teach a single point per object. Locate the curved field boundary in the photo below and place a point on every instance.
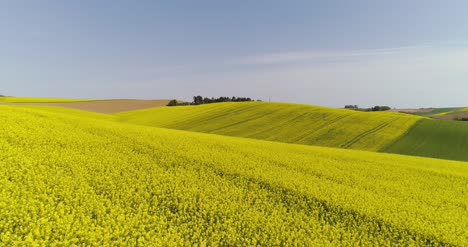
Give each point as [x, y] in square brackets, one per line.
[434, 138]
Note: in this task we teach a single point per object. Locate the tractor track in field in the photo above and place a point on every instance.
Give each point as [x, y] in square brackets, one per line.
[363, 135]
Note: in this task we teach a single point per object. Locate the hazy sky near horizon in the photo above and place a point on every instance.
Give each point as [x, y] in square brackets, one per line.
[399, 53]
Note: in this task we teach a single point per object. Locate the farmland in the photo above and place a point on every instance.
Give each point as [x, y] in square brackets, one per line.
[438, 111]
[70, 179]
[383, 132]
[447, 113]
[453, 111]
[290, 123]
[459, 114]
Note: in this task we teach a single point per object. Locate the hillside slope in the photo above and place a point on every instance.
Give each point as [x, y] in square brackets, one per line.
[72, 180]
[434, 138]
[290, 123]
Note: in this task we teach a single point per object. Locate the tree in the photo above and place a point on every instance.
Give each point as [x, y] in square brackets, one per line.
[197, 100]
[385, 108]
[207, 100]
[354, 107]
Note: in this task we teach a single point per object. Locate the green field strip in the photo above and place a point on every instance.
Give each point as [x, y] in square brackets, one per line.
[434, 138]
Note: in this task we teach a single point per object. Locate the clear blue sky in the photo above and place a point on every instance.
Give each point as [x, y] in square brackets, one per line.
[400, 53]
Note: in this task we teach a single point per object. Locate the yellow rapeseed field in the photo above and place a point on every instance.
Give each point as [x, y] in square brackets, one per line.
[71, 179]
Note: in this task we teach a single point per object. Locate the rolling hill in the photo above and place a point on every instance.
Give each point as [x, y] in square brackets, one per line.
[321, 126]
[309, 125]
[289, 123]
[72, 179]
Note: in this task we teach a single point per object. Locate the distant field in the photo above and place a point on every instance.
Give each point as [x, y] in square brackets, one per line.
[99, 106]
[78, 179]
[453, 115]
[434, 138]
[437, 111]
[38, 100]
[453, 111]
[450, 113]
[290, 123]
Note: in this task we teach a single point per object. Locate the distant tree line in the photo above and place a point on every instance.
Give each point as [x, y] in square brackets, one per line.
[380, 108]
[177, 103]
[352, 107]
[199, 100]
[375, 108]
